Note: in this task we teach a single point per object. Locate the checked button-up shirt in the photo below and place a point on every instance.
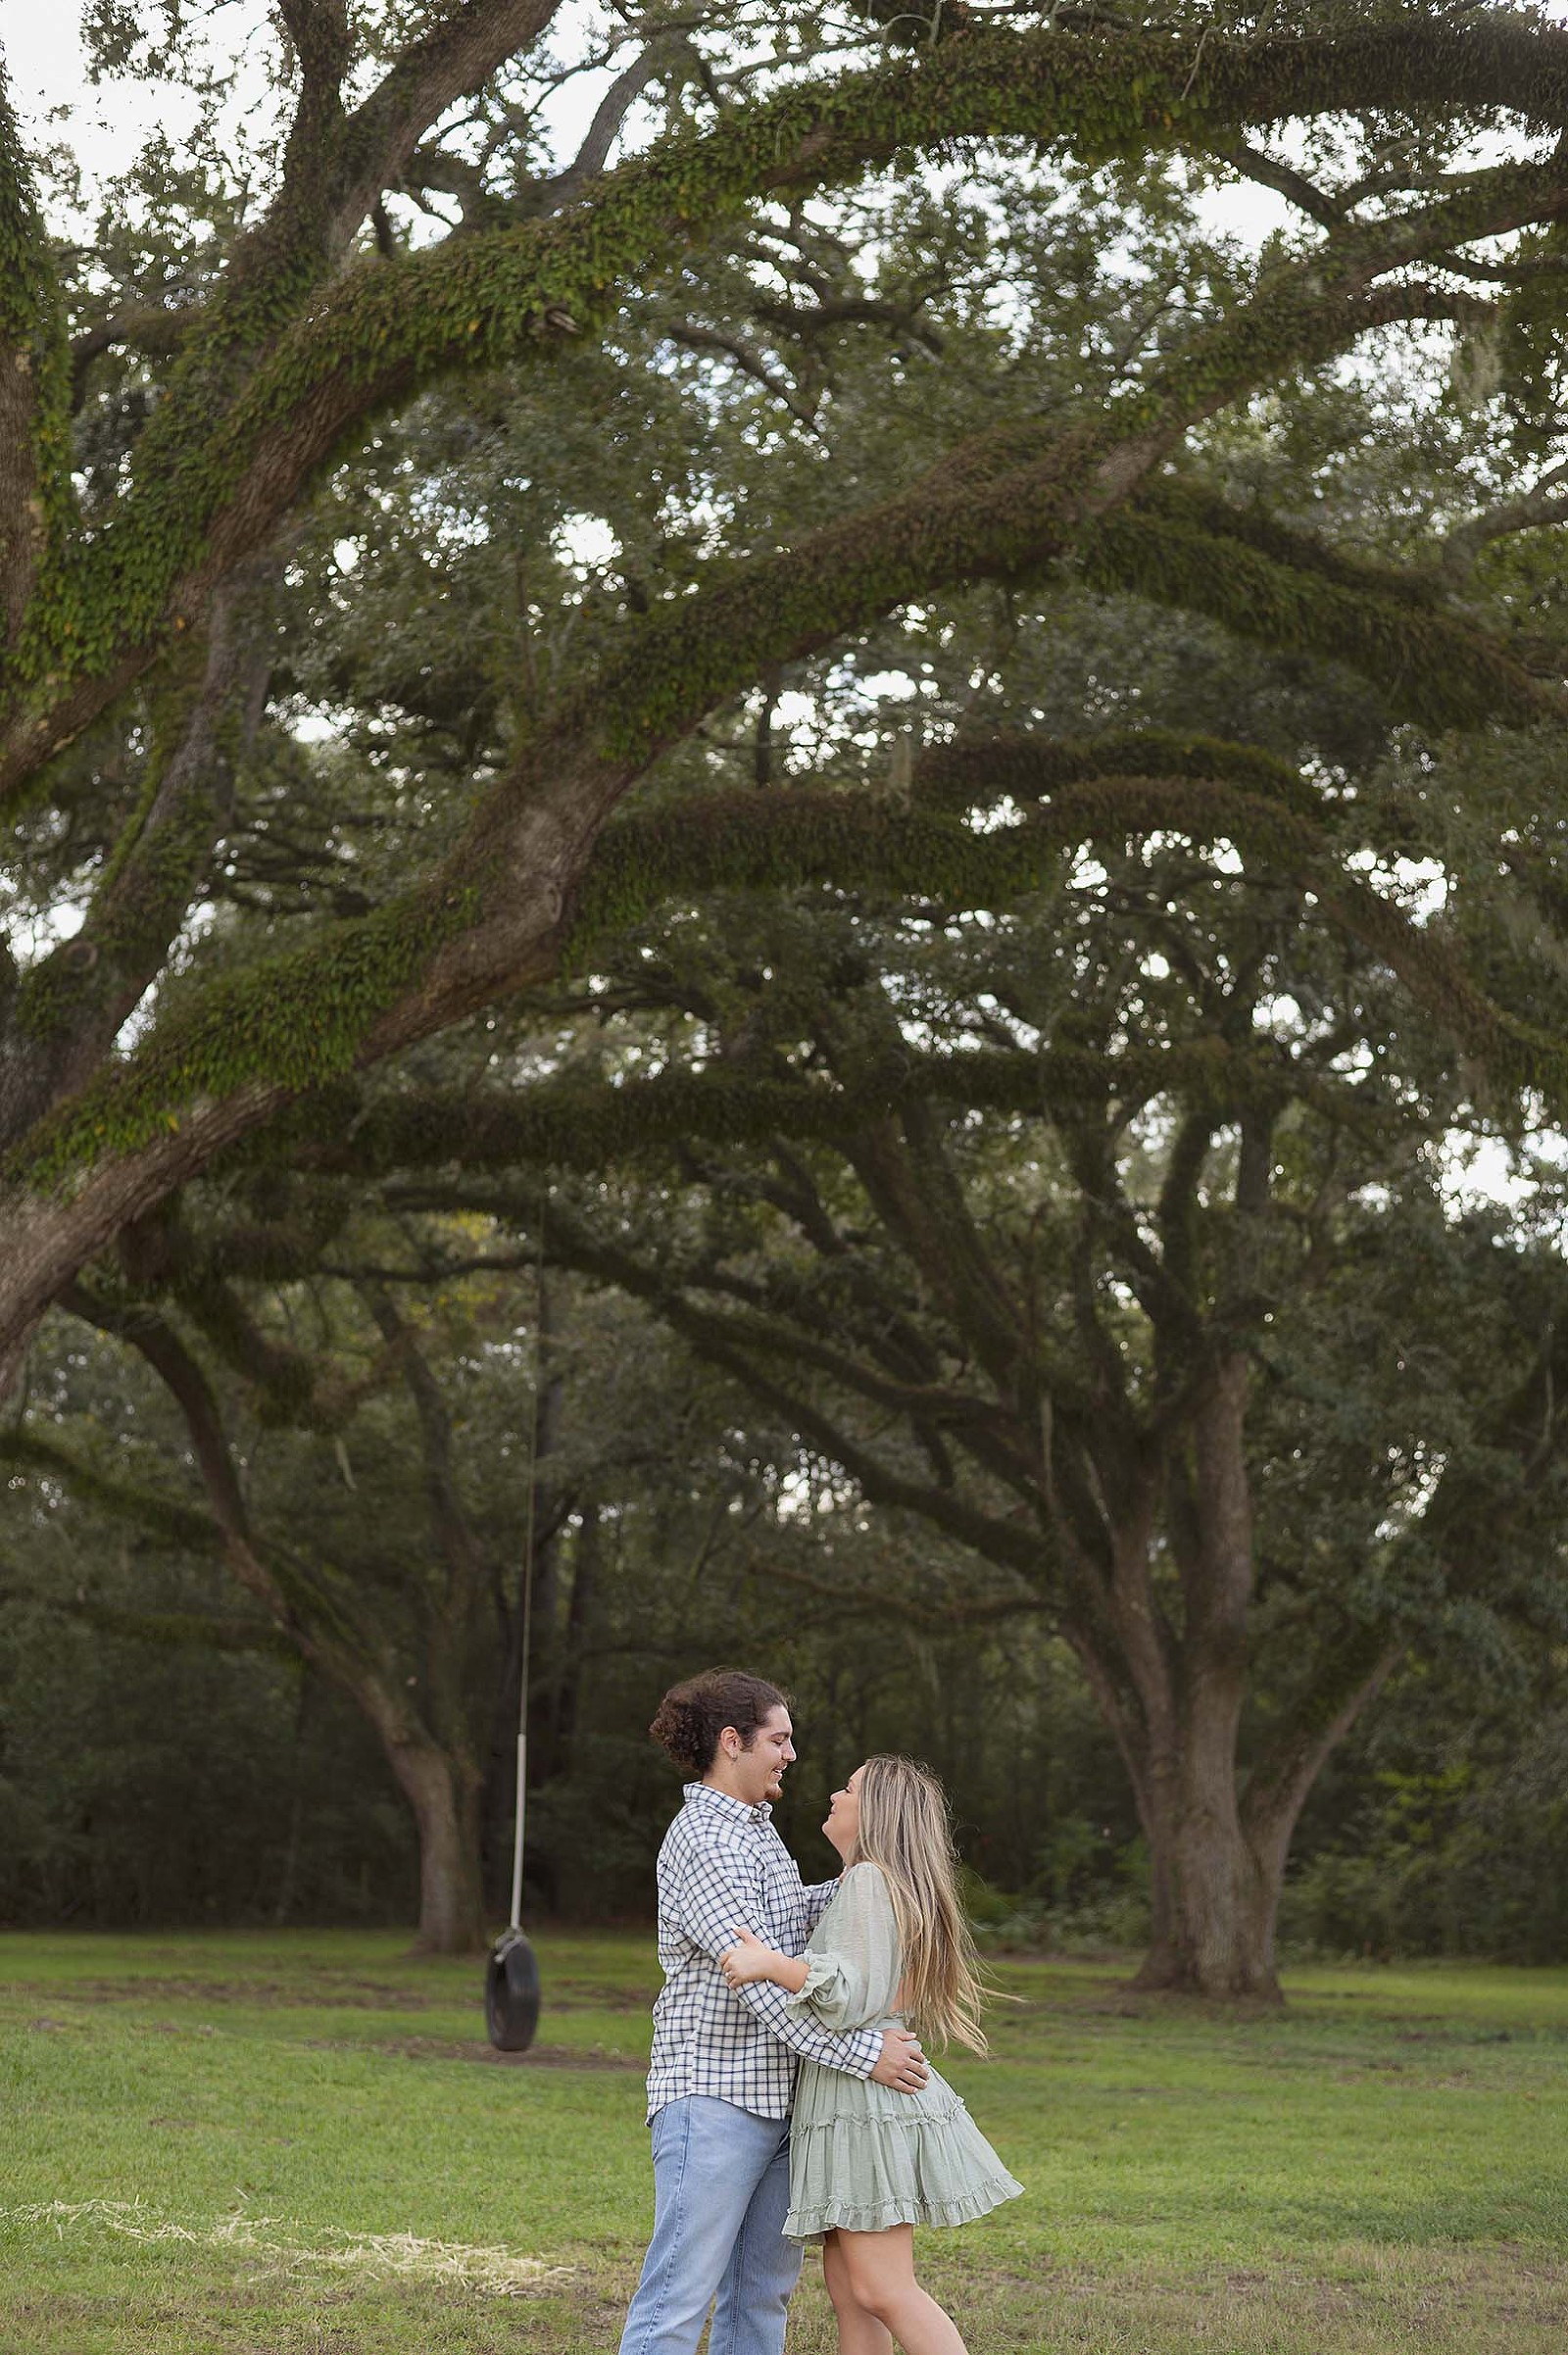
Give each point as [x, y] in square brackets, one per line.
[722, 1863]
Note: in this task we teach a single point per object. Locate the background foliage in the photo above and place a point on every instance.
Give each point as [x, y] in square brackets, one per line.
[1344, 567]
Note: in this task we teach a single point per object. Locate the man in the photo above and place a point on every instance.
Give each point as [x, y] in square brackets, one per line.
[722, 2074]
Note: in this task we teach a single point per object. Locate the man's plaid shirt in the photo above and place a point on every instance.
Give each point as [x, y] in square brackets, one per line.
[722, 1863]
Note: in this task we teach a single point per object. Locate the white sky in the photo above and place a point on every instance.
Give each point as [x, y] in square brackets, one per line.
[41, 40]
[42, 44]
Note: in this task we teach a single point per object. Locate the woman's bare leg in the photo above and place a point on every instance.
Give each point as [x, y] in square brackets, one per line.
[860, 2333]
[879, 2268]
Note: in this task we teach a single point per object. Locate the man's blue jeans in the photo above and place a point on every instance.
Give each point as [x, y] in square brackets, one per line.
[721, 2192]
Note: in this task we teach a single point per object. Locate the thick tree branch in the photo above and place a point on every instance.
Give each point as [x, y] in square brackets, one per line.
[209, 493]
[1352, 1675]
[900, 1166]
[468, 42]
[155, 1340]
[449, 1518]
[72, 1002]
[162, 1517]
[1269, 173]
[1546, 502]
[319, 1623]
[35, 499]
[1181, 547]
[322, 42]
[658, 63]
[975, 772]
[587, 1125]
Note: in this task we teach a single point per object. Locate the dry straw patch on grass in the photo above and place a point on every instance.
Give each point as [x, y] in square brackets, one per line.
[276, 2243]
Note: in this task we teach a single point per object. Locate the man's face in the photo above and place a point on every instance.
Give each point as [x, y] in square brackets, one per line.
[759, 1771]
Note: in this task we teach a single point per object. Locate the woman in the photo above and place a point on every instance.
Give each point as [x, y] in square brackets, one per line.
[723, 2066]
[867, 2166]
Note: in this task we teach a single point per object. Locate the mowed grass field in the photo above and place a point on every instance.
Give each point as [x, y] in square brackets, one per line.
[269, 2145]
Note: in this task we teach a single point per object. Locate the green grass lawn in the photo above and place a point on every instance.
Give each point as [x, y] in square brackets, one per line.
[267, 2144]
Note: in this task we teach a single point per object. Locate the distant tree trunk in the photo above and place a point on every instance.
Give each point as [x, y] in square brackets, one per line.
[451, 1916]
[288, 1876]
[1214, 1888]
[1214, 1896]
[1172, 1688]
[585, 1555]
[1219, 1893]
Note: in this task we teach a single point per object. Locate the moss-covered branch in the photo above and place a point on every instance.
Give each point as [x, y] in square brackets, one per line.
[586, 1124]
[1006, 506]
[282, 1028]
[976, 773]
[211, 481]
[270, 1019]
[37, 501]
[72, 1001]
[1179, 544]
[162, 1517]
[456, 53]
[730, 842]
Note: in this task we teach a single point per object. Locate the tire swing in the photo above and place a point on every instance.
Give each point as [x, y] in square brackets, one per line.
[512, 1975]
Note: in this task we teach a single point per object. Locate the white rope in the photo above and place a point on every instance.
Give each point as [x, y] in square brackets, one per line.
[528, 1576]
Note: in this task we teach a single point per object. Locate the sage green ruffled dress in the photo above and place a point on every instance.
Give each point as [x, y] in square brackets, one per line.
[860, 2155]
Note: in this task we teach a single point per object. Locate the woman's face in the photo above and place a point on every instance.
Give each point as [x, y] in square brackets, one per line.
[843, 1826]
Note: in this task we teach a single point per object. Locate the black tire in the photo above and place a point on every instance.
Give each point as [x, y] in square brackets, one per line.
[512, 1992]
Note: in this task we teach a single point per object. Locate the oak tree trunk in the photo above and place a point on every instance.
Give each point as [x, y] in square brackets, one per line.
[451, 1918]
[1215, 1899]
[1215, 1890]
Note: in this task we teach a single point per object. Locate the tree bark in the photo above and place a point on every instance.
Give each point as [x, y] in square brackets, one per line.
[444, 1801]
[1218, 1890]
[1216, 1897]
[288, 1876]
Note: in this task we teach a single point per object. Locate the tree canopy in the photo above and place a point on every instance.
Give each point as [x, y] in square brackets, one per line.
[190, 395]
[966, 752]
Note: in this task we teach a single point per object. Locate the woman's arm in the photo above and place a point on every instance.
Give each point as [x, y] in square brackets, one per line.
[853, 1976]
[744, 1964]
[704, 1905]
[852, 1962]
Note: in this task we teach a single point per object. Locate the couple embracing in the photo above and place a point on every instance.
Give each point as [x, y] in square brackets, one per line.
[767, 1983]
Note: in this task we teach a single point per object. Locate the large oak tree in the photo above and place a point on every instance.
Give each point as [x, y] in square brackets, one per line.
[170, 410]
[1090, 1211]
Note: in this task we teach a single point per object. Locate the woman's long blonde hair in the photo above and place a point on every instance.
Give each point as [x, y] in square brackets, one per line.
[905, 1830]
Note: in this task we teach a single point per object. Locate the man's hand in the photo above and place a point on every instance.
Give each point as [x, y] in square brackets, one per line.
[750, 1960]
[902, 2066]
